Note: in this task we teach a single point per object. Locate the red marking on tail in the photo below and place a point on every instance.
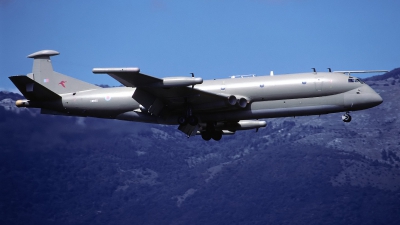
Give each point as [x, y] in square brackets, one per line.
[63, 83]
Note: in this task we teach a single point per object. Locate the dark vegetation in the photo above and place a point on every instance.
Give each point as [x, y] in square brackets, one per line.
[64, 170]
[394, 74]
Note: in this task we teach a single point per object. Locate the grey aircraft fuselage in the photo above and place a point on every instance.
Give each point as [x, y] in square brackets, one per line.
[240, 99]
[270, 96]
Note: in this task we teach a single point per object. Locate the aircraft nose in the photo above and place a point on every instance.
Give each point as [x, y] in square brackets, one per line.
[373, 97]
[376, 99]
[364, 98]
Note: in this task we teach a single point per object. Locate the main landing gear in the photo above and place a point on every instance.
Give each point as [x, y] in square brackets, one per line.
[210, 132]
[215, 134]
[346, 117]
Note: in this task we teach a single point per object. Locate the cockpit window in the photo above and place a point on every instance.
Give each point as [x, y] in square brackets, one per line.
[359, 80]
[355, 80]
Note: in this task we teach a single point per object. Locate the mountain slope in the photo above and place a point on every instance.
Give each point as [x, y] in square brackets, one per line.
[307, 170]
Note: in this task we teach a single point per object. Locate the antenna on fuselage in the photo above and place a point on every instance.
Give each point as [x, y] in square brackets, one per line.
[271, 73]
[315, 71]
[330, 70]
[192, 76]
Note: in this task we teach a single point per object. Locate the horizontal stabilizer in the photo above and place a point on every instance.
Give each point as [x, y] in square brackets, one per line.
[32, 90]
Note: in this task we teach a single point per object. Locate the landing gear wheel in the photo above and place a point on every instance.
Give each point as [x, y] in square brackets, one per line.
[217, 135]
[206, 135]
[182, 120]
[192, 120]
[346, 118]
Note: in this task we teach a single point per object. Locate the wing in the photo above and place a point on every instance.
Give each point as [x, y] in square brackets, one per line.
[129, 77]
[172, 93]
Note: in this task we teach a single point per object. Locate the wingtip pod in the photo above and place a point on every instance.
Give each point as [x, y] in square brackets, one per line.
[251, 124]
[242, 125]
[43, 53]
[116, 70]
[180, 81]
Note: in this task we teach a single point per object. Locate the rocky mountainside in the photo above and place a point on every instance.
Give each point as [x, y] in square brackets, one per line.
[303, 170]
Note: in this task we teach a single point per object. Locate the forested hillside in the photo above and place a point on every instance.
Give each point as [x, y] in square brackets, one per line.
[307, 170]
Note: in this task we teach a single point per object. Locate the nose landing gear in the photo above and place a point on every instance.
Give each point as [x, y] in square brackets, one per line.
[346, 117]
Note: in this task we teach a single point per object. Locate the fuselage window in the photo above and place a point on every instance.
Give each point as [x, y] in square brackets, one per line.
[351, 80]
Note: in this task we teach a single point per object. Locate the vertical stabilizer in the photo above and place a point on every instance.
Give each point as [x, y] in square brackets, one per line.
[44, 74]
[42, 63]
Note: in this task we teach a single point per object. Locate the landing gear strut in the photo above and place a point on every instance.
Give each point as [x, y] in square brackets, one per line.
[189, 118]
[192, 120]
[346, 117]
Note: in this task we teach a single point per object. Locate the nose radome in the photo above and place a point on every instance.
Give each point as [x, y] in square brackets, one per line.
[376, 99]
[373, 97]
[365, 98]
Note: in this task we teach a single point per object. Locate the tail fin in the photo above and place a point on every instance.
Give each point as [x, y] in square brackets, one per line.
[58, 83]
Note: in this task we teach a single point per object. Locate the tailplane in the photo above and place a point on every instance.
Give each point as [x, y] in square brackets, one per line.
[32, 90]
[58, 83]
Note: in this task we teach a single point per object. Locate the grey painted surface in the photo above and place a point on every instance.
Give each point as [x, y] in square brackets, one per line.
[163, 100]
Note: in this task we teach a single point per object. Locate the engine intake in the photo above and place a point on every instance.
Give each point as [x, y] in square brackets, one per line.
[232, 100]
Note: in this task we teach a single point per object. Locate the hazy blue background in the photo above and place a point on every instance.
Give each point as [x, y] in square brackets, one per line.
[213, 39]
